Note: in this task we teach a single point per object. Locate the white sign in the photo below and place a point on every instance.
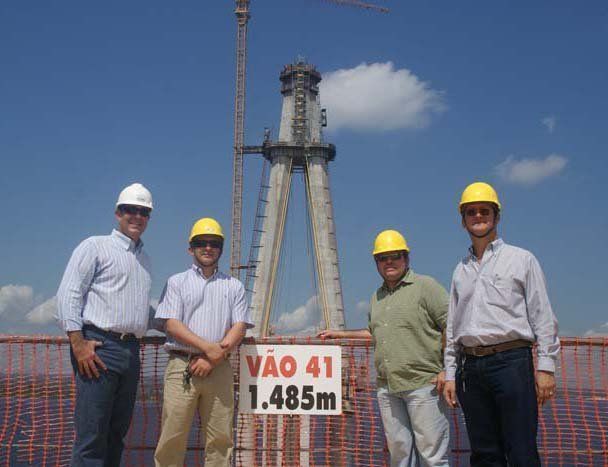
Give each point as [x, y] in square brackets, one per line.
[291, 379]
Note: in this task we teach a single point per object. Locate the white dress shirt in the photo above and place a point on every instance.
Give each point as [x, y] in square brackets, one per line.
[501, 298]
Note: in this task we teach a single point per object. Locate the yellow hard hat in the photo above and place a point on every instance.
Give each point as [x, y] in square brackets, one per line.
[206, 226]
[479, 192]
[389, 240]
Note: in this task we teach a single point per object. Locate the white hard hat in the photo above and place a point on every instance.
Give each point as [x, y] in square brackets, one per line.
[135, 194]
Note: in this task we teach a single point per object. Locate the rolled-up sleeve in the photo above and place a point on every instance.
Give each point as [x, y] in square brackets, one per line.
[450, 351]
[77, 279]
[541, 317]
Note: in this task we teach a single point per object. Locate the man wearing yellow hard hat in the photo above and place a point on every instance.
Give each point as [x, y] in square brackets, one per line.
[206, 316]
[406, 321]
[499, 308]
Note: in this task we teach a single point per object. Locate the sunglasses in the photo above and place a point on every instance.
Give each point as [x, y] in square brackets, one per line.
[471, 212]
[133, 210]
[391, 256]
[206, 243]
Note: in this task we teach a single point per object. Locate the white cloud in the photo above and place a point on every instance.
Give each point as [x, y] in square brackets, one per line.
[530, 171]
[602, 332]
[377, 97]
[550, 122]
[305, 319]
[15, 301]
[43, 313]
[21, 312]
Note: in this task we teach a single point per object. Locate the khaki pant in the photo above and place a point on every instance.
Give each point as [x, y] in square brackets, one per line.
[213, 397]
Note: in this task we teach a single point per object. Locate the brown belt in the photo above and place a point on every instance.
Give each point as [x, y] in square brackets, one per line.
[181, 353]
[483, 350]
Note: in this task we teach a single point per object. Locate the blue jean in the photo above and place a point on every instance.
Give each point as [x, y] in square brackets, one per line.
[104, 406]
[416, 427]
[498, 397]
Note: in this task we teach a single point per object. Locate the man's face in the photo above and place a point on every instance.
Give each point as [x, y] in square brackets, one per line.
[132, 220]
[206, 249]
[392, 265]
[479, 218]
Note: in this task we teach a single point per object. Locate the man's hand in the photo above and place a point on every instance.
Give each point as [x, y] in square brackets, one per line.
[88, 361]
[545, 386]
[449, 393]
[215, 354]
[439, 382]
[200, 366]
[330, 334]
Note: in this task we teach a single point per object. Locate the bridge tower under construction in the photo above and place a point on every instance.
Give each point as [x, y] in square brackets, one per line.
[300, 147]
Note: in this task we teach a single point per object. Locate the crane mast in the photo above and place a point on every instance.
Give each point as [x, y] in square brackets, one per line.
[242, 16]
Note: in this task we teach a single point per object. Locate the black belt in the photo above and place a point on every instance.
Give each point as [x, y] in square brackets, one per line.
[484, 350]
[121, 336]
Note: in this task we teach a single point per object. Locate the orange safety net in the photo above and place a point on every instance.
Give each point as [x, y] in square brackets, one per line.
[37, 401]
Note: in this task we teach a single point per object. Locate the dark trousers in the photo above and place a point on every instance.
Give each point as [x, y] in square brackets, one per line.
[104, 405]
[498, 397]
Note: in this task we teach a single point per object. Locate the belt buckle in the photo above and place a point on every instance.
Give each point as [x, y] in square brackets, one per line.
[478, 352]
[124, 336]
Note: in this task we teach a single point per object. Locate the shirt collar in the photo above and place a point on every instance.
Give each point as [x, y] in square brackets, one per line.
[408, 278]
[198, 270]
[126, 242]
[492, 248]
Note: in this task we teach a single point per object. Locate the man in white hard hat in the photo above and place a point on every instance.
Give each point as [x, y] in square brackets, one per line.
[103, 306]
[498, 308]
[406, 322]
[206, 316]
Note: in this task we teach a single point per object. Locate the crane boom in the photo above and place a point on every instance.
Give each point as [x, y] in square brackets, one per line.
[360, 4]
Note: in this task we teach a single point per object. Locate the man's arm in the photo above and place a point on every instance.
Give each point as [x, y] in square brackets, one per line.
[75, 284]
[450, 352]
[346, 333]
[544, 325]
[234, 336]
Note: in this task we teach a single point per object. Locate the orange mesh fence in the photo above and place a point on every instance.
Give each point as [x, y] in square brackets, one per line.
[37, 401]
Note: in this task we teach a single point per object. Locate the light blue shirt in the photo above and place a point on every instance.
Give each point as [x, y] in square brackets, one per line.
[501, 298]
[107, 284]
[209, 307]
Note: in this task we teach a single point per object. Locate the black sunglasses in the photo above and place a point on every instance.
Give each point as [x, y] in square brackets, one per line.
[205, 243]
[394, 256]
[471, 212]
[133, 210]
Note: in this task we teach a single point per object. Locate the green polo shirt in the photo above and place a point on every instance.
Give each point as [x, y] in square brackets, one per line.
[406, 324]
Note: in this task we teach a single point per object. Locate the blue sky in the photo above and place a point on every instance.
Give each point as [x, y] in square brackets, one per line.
[95, 96]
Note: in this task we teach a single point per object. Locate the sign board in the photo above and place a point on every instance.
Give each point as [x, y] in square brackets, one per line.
[291, 379]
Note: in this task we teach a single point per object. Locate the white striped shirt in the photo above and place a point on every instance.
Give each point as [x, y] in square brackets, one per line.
[107, 284]
[208, 307]
[501, 298]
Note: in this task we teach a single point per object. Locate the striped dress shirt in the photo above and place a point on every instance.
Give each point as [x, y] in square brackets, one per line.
[209, 307]
[107, 284]
[501, 298]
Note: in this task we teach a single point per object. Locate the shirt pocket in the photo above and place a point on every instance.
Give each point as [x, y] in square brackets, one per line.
[497, 291]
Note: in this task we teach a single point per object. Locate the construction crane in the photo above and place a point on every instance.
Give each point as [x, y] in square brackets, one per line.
[242, 17]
